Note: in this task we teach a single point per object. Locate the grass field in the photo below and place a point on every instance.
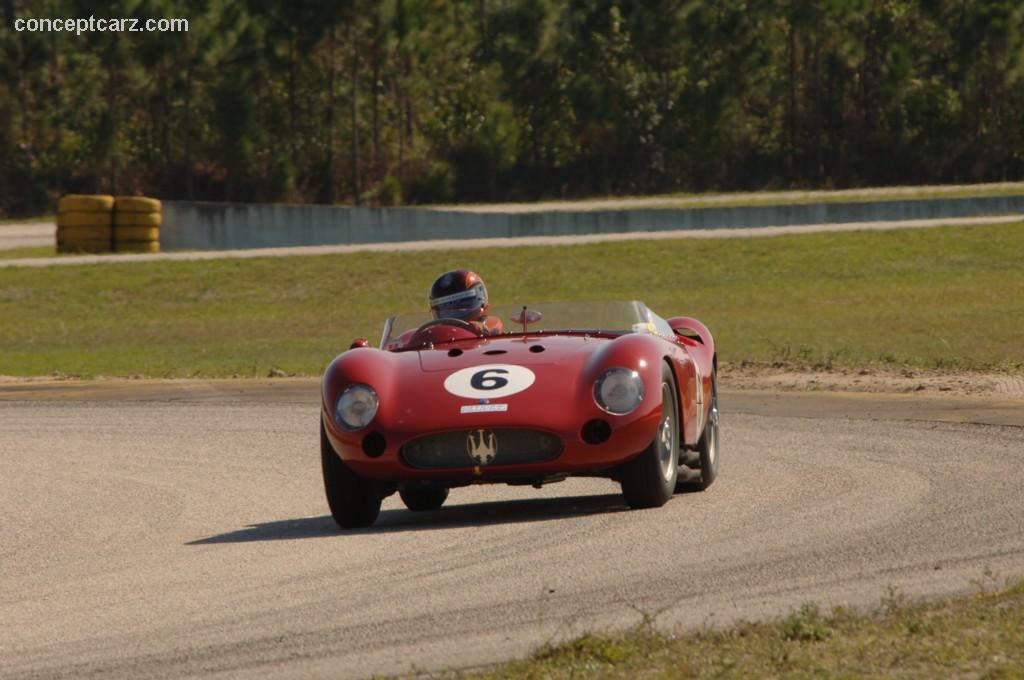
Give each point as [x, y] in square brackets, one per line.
[26, 252]
[25, 220]
[976, 636]
[950, 298]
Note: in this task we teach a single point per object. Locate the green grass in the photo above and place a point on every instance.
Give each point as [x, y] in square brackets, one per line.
[26, 220]
[947, 298]
[976, 636]
[28, 251]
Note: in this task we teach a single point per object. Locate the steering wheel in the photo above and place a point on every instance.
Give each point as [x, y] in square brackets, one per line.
[417, 338]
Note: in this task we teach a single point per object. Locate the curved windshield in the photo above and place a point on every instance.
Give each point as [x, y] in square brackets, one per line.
[622, 316]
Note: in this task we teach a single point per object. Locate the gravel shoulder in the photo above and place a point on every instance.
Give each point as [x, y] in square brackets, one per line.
[874, 380]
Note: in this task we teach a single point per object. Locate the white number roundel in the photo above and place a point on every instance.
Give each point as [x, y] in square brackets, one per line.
[490, 381]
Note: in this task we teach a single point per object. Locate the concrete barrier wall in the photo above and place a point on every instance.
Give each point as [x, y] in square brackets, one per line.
[222, 226]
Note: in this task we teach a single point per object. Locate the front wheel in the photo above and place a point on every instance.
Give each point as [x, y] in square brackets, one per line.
[649, 480]
[353, 500]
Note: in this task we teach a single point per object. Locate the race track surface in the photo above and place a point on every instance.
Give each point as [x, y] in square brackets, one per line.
[179, 529]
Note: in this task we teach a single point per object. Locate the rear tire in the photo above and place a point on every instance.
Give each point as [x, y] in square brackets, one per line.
[649, 480]
[707, 447]
[353, 500]
[424, 498]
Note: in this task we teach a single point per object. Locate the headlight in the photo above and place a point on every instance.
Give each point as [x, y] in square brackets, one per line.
[619, 390]
[356, 407]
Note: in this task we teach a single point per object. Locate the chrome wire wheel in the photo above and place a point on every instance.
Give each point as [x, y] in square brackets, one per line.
[648, 480]
[668, 433]
[713, 424]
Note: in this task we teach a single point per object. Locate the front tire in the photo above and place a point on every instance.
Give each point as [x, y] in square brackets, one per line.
[649, 480]
[353, 500]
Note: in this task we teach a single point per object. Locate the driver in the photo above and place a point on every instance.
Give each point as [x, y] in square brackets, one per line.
[461, 294]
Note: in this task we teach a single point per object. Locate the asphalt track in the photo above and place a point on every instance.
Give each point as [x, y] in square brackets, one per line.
[175, 529]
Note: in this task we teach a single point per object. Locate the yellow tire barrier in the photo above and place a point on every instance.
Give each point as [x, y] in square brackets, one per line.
[74, 234]
[80, 202]
[84, 219]
[138, 247]
[137, 224]
[136, 234]
[136, 219]
[137, 204]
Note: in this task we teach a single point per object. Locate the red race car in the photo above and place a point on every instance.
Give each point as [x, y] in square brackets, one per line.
[601, 389]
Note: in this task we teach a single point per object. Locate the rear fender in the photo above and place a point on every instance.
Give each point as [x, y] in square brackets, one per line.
[700, 345]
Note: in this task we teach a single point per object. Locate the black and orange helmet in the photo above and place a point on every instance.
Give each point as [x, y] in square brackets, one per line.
[459, 294]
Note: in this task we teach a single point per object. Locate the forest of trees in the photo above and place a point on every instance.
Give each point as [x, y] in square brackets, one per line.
[384, 102]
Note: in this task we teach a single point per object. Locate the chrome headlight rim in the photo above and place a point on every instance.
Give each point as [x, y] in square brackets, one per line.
[620, 374]
[364, 417]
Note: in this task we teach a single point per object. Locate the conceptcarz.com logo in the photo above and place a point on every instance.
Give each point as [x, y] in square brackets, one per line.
[81, 25]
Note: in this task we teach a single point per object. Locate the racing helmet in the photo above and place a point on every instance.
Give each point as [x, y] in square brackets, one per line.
[459, 294]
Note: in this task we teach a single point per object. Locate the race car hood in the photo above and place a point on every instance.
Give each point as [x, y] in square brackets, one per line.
[523, 351]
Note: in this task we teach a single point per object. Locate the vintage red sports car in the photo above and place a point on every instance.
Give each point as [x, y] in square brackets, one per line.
[606, 389]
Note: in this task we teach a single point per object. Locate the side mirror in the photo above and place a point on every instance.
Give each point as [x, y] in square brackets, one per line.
[359, 342]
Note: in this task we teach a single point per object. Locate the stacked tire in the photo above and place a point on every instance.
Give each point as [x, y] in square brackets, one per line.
[136, 224]
[85, 224]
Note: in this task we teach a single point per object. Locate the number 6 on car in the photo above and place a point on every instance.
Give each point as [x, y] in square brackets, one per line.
[597, 389]
[489, 381]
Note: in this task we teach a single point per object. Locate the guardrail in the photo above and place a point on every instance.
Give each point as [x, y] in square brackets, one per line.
[225, 226]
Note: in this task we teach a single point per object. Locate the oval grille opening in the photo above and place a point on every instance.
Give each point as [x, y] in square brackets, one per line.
[484, 447]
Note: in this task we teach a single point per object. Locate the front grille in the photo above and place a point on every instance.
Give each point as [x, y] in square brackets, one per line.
[483, 447]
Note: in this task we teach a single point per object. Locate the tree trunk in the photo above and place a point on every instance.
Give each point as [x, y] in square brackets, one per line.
[376, 94]
[356, 188]
[400, 118]
[329, 161]
[293, 133]
[112, 110]
[791, 114]
[189, 189]
[819, 161]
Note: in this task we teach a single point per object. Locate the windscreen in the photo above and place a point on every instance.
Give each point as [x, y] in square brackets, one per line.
[613, 316]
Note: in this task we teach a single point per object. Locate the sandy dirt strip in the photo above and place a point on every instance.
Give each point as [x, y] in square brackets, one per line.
[462, 244]
[164, 529]
[27, 235]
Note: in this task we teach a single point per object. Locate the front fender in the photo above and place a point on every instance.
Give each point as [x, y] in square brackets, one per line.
[367, 365]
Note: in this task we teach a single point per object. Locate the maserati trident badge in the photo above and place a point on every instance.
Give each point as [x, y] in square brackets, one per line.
[482, 446]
